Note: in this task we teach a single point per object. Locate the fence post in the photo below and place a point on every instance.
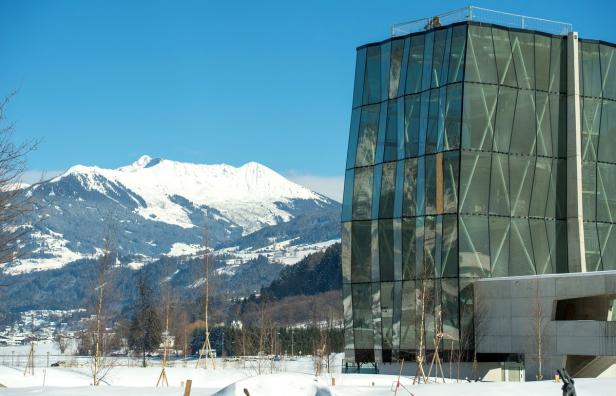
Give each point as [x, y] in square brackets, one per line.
[47, 359]
[12, 358]
[187, 388]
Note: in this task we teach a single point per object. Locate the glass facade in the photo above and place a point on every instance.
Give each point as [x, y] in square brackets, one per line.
[598, 128]
[457, 170]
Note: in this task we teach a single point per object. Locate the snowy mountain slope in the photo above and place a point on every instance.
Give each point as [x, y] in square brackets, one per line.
[244, 195]
[153, 205]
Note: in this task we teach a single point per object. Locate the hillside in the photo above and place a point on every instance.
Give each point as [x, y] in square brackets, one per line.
[317, 273]
[158, 207]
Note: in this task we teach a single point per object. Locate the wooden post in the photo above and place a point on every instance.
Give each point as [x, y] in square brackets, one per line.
[187, 387]
[30, 363]
[399, 375]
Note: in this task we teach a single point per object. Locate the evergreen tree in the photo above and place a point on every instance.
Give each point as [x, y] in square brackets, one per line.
[145, 333]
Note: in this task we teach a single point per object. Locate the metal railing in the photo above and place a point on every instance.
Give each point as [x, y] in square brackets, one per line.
[485, 15]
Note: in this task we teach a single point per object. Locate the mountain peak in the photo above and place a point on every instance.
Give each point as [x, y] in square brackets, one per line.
[145, 161]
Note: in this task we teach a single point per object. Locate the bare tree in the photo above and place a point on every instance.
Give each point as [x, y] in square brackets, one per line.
[100, 363]
[479, 326]
[61, 340]
[539, 323]
[14, 204]
[424, 300]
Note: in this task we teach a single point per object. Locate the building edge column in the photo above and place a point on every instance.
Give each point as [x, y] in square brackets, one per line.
[576, 251]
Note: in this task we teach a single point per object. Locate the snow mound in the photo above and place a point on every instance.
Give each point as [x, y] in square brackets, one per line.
[288, 384]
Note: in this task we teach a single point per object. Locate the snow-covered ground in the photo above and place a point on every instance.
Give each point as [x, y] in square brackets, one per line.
[293, 378]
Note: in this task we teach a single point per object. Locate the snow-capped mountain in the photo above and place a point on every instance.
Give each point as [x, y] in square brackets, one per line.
[158, 206]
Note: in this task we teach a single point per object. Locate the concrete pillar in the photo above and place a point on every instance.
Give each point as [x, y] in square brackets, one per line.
[575, 225]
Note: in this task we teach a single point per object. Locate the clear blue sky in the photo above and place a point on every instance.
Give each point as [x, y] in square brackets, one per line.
[102, 82]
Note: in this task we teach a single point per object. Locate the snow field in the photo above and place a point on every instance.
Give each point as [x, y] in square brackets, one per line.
[295, 379]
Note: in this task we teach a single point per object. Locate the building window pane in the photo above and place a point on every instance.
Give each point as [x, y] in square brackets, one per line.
[410, 186]
[521, 171]
[608, 131]
[391, 134]
[348, 318]
[372, 84]
[385, 57]
[558, 65]
[544, 129]
[608, 71]
[409, 248]
[504, 57]
[541, 248]
[499, 185]
[607, 238]
[589, 190]
[362, 193]
[427, 59]
[557, 194]
[542, 61]
[388, 187]
[541, 184]
[522, 45]
[591, 117]
[360, 68]
[558, 114]
[450, 307]
[451, 168]
[397, 52]
[456, 58]
[449, 255]
[362, 316]
[368, 129]
[453, 116]
[387, 311]
[430, 246]
[430, 181]
[415, 64]
[474, 191]
[407, 317]
[345, 256]
[412, 117]
[480, 60]
[353, 134]
[524, 136]
[499, 245]
[521, 260]
[420, 199]
[507, 98]
[440, 38]
[591, 243]
[590, 70]
[361, 251]
[434, 110]
[479, 114]
[557, 239]
[386, 249]
[347, 200]
[606, 193]
[474, 246]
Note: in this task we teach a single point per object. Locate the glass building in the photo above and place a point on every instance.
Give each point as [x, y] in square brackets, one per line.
[462, 165]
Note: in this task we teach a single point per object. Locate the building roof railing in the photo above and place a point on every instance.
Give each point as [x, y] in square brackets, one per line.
[485, 15]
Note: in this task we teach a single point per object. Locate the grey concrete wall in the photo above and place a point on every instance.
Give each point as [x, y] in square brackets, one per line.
[511, 312]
